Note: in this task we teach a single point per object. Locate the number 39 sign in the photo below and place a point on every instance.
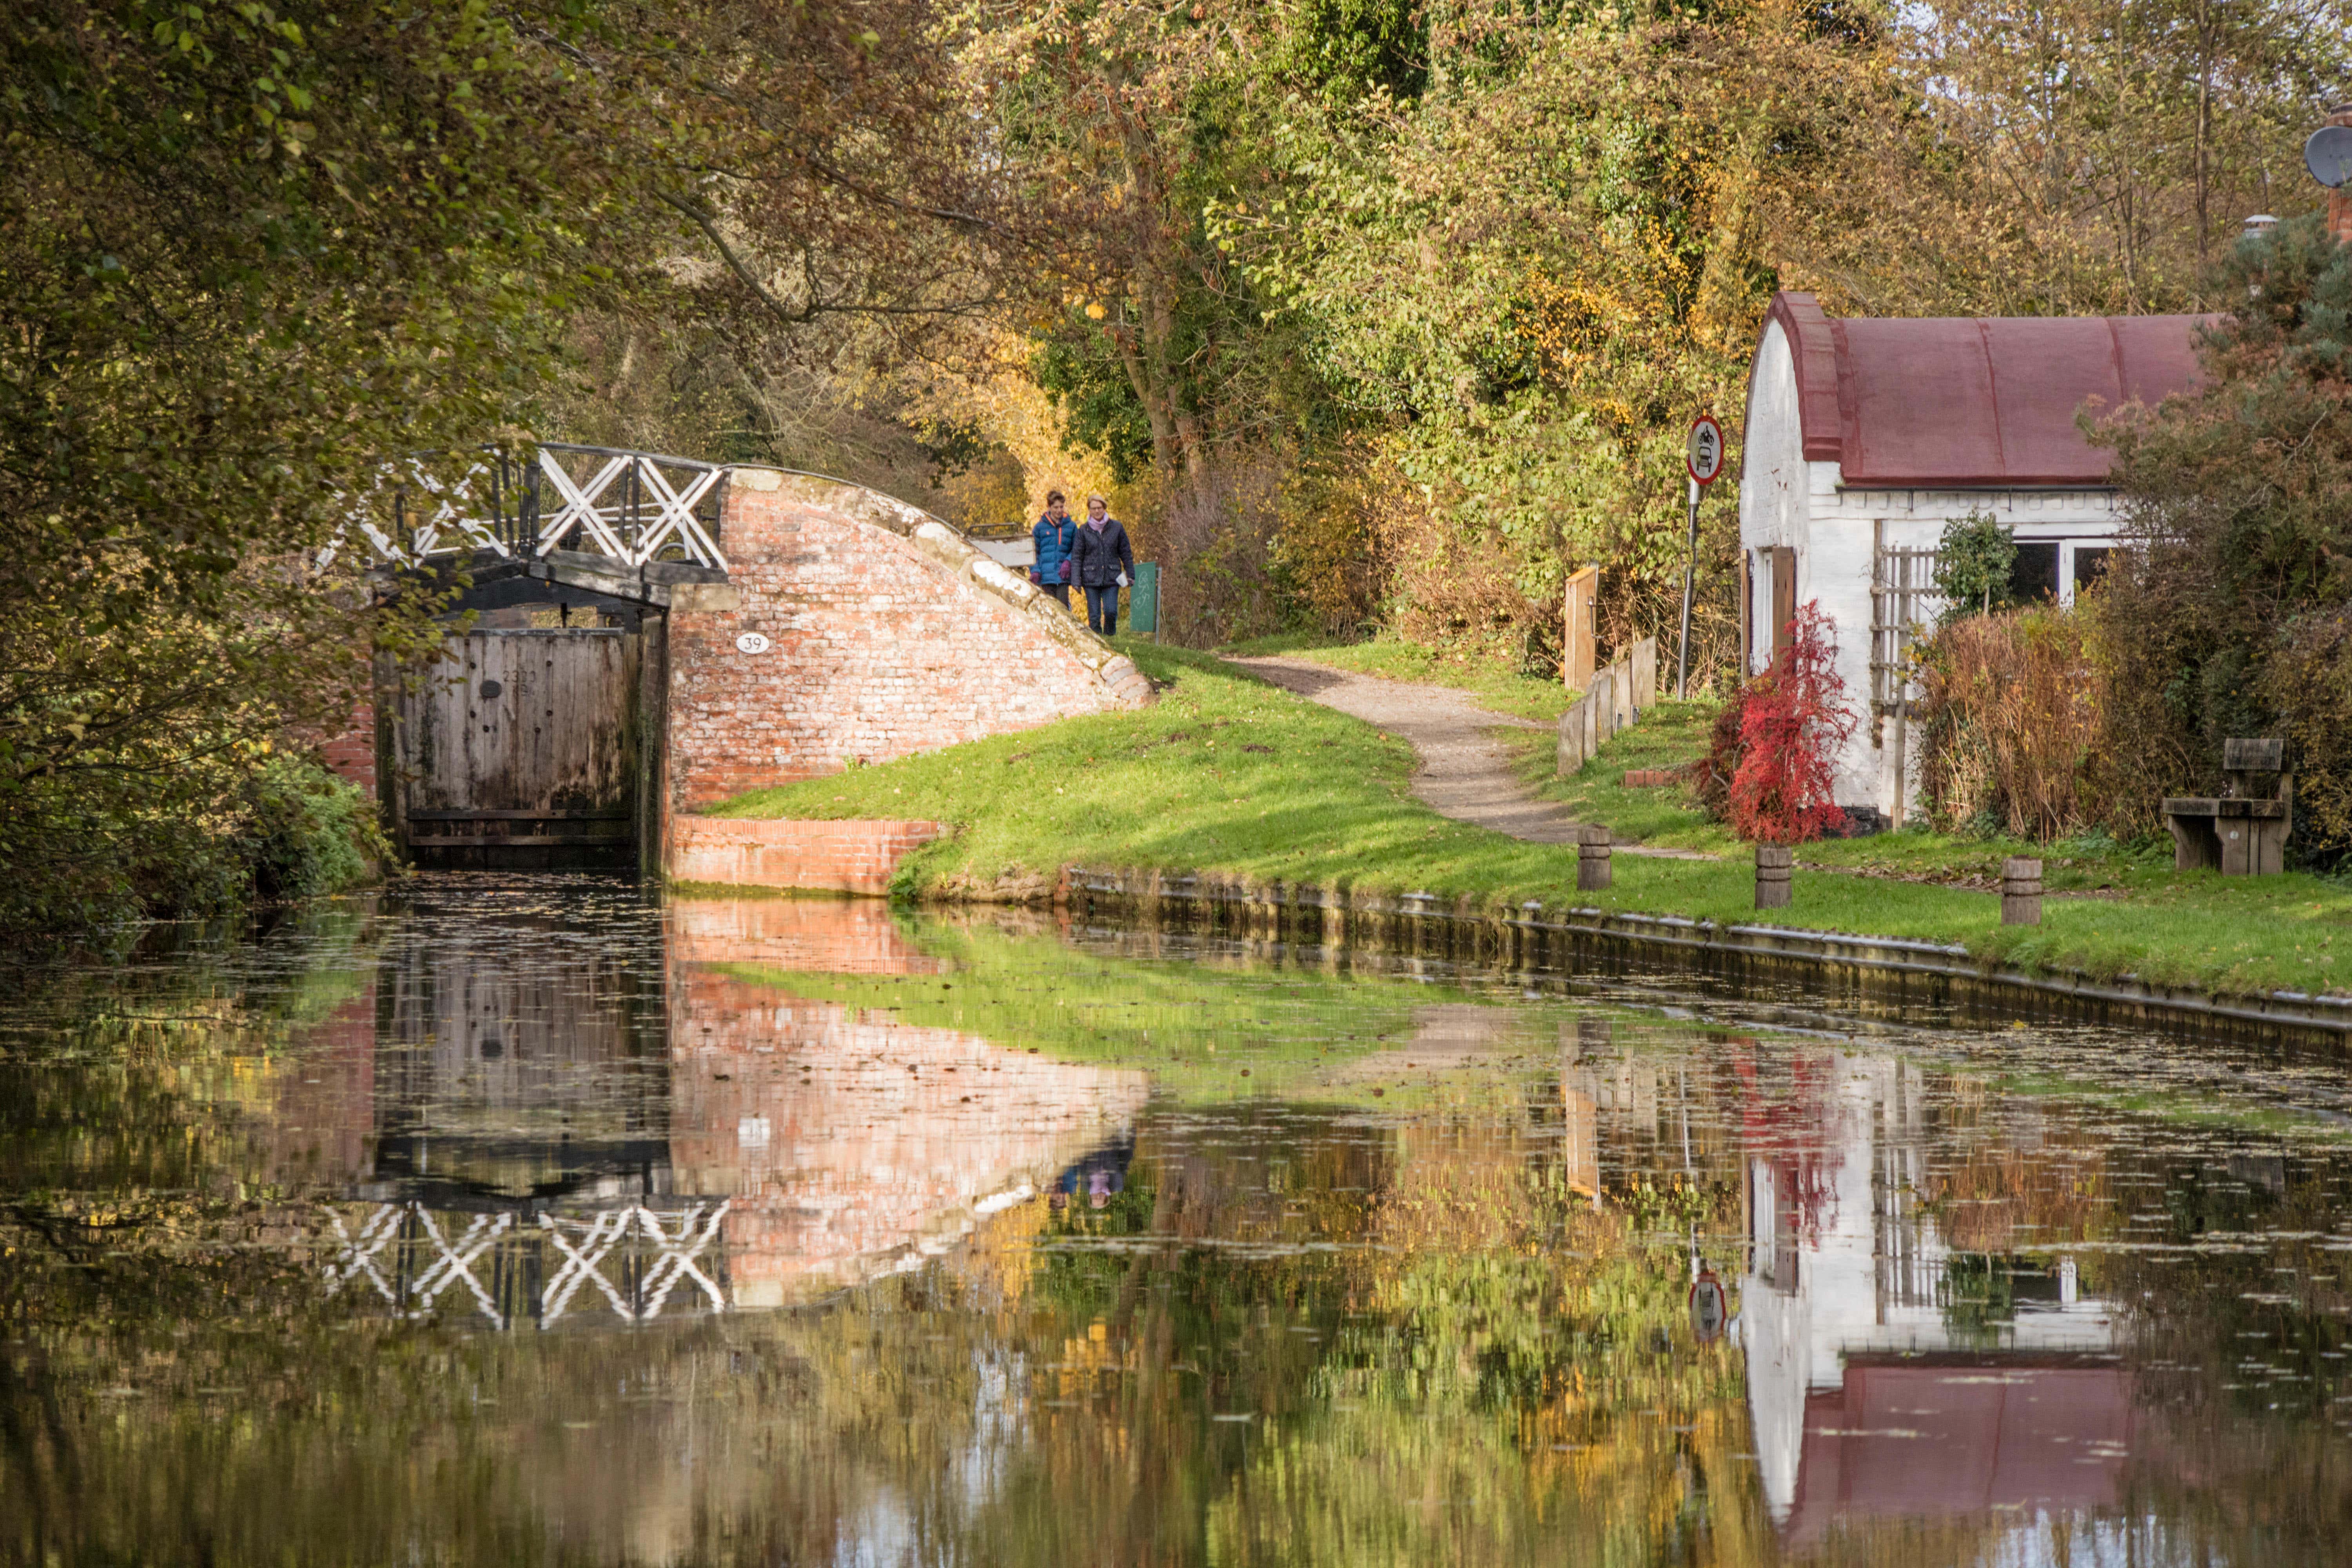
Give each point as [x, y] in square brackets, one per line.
[1704, 455]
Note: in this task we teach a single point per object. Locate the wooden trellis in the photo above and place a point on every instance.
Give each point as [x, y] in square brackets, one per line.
[1902, 599]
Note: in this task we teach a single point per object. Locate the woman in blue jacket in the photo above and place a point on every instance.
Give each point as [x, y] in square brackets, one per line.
[1056, 536]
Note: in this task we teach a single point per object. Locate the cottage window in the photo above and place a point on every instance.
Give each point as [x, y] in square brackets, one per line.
[2033, 575]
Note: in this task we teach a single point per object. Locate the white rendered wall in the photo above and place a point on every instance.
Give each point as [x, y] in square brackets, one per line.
[1786, 503]
[1775, 501]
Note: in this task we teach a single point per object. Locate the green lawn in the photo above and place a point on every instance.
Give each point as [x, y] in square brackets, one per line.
[1674, 734]
[1493, 682]
[1226, 773]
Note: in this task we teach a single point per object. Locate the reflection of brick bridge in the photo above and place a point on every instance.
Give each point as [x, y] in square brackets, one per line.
[542, 1141]
[853, 1143]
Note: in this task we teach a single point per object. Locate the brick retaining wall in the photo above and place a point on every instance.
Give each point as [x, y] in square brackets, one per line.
[887, 634]
[844, 856]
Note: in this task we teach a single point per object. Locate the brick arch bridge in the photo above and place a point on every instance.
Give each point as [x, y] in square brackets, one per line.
[652, 636]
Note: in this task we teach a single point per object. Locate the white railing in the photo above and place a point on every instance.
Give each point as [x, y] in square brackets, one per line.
[412, 1255]
[631, 508]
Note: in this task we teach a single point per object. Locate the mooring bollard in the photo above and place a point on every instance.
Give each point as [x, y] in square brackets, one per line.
[2021, 891]
[1591, 858]
[1775, 865]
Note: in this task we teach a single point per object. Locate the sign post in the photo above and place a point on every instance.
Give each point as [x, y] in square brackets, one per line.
[1702, 457]
[1143, 601]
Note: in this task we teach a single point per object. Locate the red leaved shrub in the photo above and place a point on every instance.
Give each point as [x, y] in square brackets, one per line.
[1793, 721]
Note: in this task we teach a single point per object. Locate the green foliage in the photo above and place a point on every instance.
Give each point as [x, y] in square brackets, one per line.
[254, 256]
[1526, 280]
[307, 832]
[251, 254]
[1079, 366]
[2222, 619]
[240, 828]
[1973, 562]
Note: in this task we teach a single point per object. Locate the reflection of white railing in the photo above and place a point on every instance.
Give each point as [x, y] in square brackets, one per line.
[381, 1243]
[411, 1256]
[631, 508]
[606, 1231]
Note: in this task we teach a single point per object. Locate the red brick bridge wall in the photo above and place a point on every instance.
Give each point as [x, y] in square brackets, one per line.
[888, 632]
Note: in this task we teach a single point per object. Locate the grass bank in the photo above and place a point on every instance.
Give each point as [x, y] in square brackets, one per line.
[1226, 773]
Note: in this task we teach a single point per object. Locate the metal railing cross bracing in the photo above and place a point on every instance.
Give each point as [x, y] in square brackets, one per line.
[631, 508]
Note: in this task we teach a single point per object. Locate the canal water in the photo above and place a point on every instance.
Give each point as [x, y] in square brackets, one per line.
[512, 1220]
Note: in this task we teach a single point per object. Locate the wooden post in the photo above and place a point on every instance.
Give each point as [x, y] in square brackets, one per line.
[1591, 858]
[1580, 643]
[1784, 599]
[2021, 891]
[1775, 867]
[1746, 618]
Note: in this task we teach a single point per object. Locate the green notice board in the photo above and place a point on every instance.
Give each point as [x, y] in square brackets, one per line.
[1143, 599]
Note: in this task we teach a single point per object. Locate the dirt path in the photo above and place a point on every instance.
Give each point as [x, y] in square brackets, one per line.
[1465, 771]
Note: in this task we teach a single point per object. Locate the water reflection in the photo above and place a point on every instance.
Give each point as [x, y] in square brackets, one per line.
[1874, 1390]
[523, 1222]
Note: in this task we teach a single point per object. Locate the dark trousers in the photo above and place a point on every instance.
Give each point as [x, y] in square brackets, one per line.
[1102, 609]
[1059, 590]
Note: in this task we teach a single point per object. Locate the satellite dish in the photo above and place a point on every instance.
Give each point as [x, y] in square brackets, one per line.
[2328, 154]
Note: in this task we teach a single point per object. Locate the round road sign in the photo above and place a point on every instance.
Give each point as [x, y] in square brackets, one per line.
[1709, 1307]
[1704, 455]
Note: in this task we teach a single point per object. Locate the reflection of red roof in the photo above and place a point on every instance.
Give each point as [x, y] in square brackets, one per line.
[1974, 400]
[1937, 1436]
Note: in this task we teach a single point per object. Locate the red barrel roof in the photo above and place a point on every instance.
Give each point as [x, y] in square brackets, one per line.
[1974, 401]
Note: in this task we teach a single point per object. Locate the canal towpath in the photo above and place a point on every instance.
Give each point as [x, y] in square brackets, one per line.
[1466, 771]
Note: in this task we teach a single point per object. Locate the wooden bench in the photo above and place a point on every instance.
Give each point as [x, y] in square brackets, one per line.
[2239, 833]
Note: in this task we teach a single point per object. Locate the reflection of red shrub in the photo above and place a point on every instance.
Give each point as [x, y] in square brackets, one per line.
[1792, 723]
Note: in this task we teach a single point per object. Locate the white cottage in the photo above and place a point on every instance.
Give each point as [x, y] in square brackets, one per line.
[1866, 437]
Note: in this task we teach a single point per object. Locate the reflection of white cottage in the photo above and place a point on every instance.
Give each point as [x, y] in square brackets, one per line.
[1866, 437]
[1866, 1403]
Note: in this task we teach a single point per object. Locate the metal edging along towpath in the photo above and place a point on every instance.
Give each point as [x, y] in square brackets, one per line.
[1823, 950]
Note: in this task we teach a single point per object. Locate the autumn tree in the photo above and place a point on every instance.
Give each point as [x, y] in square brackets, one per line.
[253, 254]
